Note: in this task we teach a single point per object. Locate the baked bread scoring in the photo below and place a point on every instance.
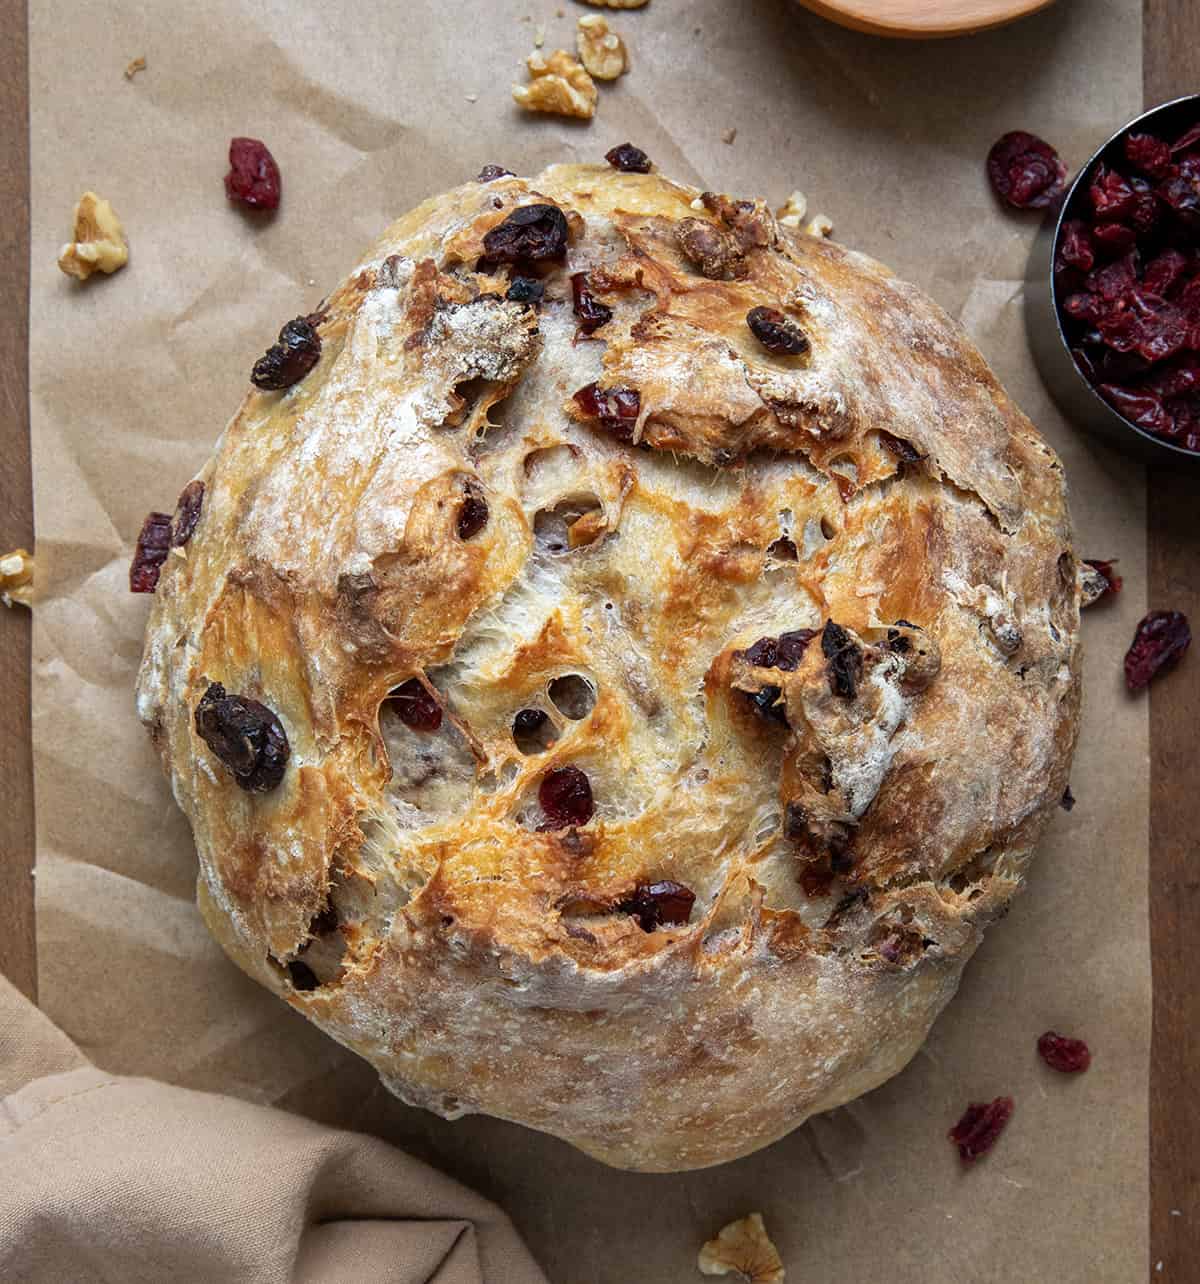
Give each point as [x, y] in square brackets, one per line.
[668, 699]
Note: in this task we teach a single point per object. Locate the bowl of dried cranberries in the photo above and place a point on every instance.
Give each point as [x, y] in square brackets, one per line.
[1113, 289]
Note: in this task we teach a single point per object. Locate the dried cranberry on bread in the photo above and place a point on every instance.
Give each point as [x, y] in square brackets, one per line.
[670, 696]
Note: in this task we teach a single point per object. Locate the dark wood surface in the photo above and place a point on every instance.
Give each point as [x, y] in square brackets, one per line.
[1171, 67]
[17, 956]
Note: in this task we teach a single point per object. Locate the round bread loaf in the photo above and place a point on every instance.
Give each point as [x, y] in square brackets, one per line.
[614, 687]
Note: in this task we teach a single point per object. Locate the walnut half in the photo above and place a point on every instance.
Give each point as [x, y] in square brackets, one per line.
[558, 85]
[616, 4]
[601, 50]
[99, 244]
[743, 1246]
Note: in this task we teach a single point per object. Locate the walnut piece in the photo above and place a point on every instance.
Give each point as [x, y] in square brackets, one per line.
[16, 578]
[711, 248]
[729, 135]
[1092, 585]
[743, 1246]
[99, 243]
[558, 85]
[601, 50]
[820, 225]
[616, 4]
[792, 213]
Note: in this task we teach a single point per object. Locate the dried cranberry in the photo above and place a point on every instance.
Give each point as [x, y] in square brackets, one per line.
[1149, 154]
[1026, 171]
[530, 233]
[776, 333]
[525, 289]
[617, 409]
[253, 179]
[565, 795]
[1115, 280]
[472, 512]
[528, 722]
[591, 312]
[187, 513]
[153, 545]
[1142, 409]
[416, 708]
[1164, 273]
[1084, 306]
[792, 647]
[1145, 324]
[628, 159]
[1068, 1056]
[763, 653]
[287, 362]
[246, 736]
[1182, 196]
[845, 660]
[654, 904]
[982, 1123]
[1113, 581]
[1114, 238]
[1075, 245]
[302, 976]
[1160, 641]
[1175, 378]
[489, 173]
[904, 451]
[1111, 195]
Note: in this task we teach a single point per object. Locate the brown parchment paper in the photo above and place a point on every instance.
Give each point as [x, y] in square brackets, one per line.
[370, 107]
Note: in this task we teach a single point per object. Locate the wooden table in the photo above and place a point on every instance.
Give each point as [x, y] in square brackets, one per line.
[1171, 66]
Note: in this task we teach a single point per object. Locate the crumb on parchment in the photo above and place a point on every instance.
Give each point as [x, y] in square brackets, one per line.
[138, 64]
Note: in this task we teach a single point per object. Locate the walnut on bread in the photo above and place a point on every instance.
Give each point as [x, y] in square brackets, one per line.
[628, 733]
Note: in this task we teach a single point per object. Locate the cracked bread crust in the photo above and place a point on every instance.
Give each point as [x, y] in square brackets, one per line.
[849, 819]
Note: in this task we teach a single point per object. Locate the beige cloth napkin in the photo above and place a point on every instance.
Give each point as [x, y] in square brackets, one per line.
[106, 1179]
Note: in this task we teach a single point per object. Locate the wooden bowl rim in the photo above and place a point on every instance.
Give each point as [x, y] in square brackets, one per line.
[922, 19]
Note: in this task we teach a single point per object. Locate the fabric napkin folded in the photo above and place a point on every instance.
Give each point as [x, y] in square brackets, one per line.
[106, 1179]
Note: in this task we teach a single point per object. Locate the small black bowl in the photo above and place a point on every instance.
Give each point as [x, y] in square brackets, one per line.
[1077, 399]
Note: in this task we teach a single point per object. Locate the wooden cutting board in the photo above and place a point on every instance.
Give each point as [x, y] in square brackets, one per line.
[922, 19]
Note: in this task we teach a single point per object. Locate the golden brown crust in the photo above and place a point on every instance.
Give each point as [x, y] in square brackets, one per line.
[846, 843]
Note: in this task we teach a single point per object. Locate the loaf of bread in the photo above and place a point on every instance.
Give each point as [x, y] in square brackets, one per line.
[617, 663]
